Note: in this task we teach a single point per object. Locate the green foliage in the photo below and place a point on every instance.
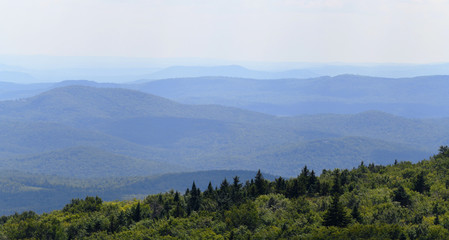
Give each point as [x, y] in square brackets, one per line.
[336, 214]
[89, 204]
[368, 202]
[401, 196]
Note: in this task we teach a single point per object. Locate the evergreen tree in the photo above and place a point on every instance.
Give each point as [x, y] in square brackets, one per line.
[401, 196]
[336, 187]
[179, 210]
[113, 225]
[344, 177]
[444, 151]
[280, 185]
[313, 184]
[167, 208]
[121, 219]
[224, 195]
[420, 183]
[355, 213]
[336, 214]
[260, 183]
[304, 172]
[137, 213]
[176, 197]
[209, 193]
[194, 201]
[236, 191]
[292, 188]
[324, 188]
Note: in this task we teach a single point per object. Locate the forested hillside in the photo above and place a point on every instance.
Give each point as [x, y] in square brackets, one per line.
[23, 191]
[88, 133]
[154, 135]
[414, 97]
[398, 201]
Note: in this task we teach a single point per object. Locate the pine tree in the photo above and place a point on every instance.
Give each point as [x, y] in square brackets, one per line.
[420, 183]
[304, 172]
[260, 184]
[176, 197]
[401, 196]
[209, 193]
[179, 210]
[292, 188]
[336, 187]
[137, 213]
[236, 191]
[194, 200]
[444, 151]
[224, 196]
[280, 185]
[313, 184]
[355, 213]
[336, 214]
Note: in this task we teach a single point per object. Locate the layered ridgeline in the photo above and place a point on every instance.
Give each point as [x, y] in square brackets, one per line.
[103, 132]
[80, 132]
[21, 191]
[417, 97]
[398, 201]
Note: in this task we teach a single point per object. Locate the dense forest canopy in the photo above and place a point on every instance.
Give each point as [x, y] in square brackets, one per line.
[397, 201]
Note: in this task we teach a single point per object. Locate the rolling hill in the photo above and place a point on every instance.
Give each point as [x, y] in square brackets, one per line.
[151, 133]
[418, 97]
[24, 191]
[414, 97]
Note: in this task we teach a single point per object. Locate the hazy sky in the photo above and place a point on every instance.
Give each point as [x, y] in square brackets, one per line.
[412, 31]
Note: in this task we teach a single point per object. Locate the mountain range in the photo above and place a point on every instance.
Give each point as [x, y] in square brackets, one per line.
[58, 129]
[71, 140]
[417, 97]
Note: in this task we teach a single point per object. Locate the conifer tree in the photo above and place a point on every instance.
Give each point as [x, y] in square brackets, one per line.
[292, 188]
[280, 185]
[312, 184]
[260, 184]
[401, 196]
[236, 191]
[224, 196]
[336, 187]
[355, 213]
[420, 183]
[336, 214]
[137, 213]
[194, 201]
[176, 197]
[209, 193]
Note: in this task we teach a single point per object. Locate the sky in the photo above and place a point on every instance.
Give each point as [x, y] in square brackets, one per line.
[352, 31]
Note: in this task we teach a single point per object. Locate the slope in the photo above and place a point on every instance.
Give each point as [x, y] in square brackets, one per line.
[87, 162]
[410, 97]
[203, 137]
[23, 191]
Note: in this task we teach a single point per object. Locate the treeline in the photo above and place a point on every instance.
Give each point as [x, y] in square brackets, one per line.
[398, 201]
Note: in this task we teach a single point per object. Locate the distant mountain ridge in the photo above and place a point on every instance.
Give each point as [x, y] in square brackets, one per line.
[417, 97]
[104, 133]
[226, 71]
[141, 127]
